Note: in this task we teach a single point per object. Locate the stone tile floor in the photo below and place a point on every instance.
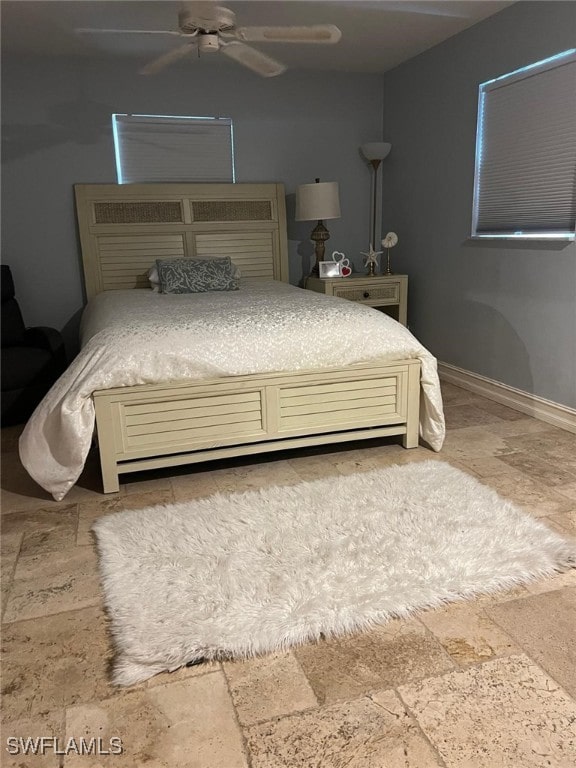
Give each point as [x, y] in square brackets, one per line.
[481, 684]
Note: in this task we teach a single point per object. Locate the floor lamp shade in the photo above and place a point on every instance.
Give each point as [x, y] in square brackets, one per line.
[316, 202]
[376, 150]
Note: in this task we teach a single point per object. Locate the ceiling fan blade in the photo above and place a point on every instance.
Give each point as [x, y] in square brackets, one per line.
[425, 8]
[166, 59]
[316, 33]
[88, 31]
[253, 59]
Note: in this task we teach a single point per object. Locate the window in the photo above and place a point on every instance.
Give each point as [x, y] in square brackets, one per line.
[163, 148]
[524, 183]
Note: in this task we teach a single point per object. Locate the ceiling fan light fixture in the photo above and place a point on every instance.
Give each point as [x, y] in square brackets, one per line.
[206, 16]
[208, 42]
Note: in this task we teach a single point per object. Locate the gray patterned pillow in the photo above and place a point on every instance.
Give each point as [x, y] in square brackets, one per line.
[196, 275]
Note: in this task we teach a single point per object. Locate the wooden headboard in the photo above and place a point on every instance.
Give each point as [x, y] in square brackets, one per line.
[124, 228]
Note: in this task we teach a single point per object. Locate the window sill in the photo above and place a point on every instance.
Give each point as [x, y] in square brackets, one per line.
[520, 243]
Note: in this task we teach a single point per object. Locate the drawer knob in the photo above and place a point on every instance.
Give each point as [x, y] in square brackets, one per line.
[366, 295]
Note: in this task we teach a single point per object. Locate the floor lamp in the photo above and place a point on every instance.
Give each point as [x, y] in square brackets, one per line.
[316, 202]
[375, 152]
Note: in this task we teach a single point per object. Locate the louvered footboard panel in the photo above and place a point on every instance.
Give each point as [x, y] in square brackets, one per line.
[168, 425]
[372, 401]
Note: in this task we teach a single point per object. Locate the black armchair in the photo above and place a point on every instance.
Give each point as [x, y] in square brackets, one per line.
[32, 358]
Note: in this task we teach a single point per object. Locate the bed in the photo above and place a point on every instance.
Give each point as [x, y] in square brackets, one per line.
[232, 410]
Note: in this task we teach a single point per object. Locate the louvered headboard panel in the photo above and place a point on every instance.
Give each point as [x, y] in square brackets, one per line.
[124, 228]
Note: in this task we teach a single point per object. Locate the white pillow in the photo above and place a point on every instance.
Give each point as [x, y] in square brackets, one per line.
[154, 279]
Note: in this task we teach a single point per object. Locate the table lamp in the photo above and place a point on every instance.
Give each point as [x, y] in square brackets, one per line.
[317, 202]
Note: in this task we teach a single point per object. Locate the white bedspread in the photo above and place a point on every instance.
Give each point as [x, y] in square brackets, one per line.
[141, 337]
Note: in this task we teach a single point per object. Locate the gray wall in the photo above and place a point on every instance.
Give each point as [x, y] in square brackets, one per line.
[57, 132]
[506, 312]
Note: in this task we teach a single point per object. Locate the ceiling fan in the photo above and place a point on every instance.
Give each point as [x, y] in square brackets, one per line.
[208, 28]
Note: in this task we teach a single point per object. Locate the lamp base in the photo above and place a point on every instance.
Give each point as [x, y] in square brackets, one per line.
[319, 235]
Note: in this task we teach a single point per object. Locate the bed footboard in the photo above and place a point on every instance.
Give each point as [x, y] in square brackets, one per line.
[151, 426]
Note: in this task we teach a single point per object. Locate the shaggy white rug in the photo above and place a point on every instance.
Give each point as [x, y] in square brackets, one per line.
[248, 573]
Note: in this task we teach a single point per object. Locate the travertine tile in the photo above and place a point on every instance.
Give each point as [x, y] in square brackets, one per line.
[505, 713]
[90, 511]
[267, 687]
[182, 673]
[187, 724]
[358, 463]
[143, 483]
[566, 521]
[382, 456]
[451, 394]
[545, 627]
[493, 408]
[40, 519]
[65, 580]
[487, 466]
[386, 656]
[524, 426]
[467, 633]
[254, 476]
[568, 490]
[195, 485]
[473, 442]
[535, 497]
[466, 415]
[10, 544]
[314, 467]
[19, 491]
[540, 469]
[357, 734]
[552, 583]
[548, 439]
[18, 751]
[53, 662]
[43, 530]
[9, 550]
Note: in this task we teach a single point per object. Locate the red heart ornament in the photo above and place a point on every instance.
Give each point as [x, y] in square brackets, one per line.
[345, 271]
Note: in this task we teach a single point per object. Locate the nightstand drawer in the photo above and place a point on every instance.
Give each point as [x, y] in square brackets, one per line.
[388, 293]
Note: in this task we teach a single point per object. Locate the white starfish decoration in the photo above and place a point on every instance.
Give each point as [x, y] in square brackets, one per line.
[371, 256]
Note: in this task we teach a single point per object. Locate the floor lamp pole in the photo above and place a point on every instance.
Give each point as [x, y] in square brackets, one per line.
[375, 165]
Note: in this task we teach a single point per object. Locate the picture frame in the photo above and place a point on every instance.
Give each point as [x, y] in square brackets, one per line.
[329, 269]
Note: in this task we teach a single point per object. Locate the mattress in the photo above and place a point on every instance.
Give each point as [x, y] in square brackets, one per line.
[140, 337]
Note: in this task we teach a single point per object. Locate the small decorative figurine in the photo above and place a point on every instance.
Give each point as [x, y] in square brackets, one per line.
[371, 260]
[343, 262]
[389, 242]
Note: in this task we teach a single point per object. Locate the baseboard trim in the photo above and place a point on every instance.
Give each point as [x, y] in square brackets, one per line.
[538, 407]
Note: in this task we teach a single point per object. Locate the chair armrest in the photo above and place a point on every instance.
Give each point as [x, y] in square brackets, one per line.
[46, 338]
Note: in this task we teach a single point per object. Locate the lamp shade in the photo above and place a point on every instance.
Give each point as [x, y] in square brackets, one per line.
[376, 150]
[318, 201]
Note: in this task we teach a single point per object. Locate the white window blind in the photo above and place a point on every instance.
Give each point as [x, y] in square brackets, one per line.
[525, 179]
[156, 148]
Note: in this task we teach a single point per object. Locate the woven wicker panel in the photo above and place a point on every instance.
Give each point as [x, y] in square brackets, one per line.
[158, 211]
[232, 210]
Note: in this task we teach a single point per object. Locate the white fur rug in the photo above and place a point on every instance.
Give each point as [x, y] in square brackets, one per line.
[248, 573]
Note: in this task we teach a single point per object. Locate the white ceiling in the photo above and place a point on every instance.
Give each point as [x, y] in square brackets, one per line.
[376, 36]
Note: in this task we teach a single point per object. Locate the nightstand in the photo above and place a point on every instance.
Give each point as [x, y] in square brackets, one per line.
[388, 293]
